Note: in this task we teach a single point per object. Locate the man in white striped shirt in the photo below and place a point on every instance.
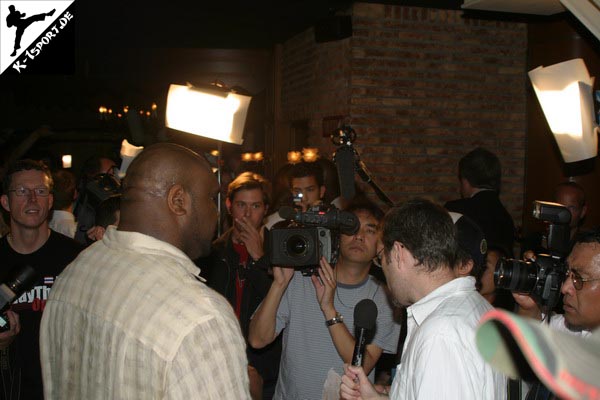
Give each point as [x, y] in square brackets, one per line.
[129, 319]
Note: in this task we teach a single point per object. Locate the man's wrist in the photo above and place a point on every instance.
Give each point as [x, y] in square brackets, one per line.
[338, 318]
[329, 313]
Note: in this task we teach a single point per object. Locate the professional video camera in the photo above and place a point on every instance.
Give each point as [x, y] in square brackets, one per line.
[541, 279]
[309, 236]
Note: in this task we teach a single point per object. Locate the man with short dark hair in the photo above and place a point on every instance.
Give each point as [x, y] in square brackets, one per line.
[316, 313]
[306, 183]
[27, 197]
[480, 175]
[440, 359]
[130, 317]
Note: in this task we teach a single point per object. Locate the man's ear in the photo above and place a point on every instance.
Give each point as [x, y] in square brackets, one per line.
[398, 254]
[178, 200]
[321, 192]
[4, 201]
[464, 269]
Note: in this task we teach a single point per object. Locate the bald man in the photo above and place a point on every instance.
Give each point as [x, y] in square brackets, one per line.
[129, 319]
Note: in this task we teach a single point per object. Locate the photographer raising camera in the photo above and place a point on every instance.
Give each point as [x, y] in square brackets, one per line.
[580, 289]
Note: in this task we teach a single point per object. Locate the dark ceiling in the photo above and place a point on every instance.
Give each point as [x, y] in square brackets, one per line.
[211, 24]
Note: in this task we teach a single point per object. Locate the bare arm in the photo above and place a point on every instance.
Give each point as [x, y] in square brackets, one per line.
[343, 340]
[262, 325]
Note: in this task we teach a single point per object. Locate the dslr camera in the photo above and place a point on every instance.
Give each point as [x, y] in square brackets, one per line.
[309, 236]
[541, 279]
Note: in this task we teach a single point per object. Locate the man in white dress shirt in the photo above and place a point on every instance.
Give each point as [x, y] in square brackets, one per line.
[440, 359]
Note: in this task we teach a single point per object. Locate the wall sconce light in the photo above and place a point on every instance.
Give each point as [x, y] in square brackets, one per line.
[67, 160]
[310, 154]
[564, 91]
[249, 157]
[294, 157]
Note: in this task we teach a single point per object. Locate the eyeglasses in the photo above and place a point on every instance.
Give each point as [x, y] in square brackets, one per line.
[577, 280]
[377, 259]
[39, 191]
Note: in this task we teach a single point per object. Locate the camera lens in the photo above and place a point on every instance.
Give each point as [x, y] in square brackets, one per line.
[296, 246]
[515, 275]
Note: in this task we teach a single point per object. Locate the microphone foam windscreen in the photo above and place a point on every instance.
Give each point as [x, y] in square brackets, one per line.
[286, 212]
[365, 314]
[344, 161]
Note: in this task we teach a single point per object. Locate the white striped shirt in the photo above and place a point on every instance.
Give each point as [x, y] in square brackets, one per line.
[129, 320]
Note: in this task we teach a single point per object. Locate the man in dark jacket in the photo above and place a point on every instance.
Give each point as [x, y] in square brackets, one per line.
[238, 267]
[480, 173]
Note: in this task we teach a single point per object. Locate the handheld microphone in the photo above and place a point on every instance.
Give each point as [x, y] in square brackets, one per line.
[344, 161]
[365, 315]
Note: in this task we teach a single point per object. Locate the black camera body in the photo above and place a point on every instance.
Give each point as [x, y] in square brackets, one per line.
[21, 279]
[541, 279]
[309, 236]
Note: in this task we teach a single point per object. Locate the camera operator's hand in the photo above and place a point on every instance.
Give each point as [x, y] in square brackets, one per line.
[282, 276]
[527, 306]
[325, 288]
[251, 237]
[7, 337]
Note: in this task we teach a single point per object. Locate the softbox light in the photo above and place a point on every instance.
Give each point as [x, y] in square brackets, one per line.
[209, 112]
[564, 91]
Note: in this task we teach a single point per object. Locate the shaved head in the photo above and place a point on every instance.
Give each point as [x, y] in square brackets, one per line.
[168, 194]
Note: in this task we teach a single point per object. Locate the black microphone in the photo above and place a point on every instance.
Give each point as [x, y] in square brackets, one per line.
[21, 279]
[344, 161]
[365, 315]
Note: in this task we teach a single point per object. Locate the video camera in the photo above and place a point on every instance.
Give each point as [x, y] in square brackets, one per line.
[309, 236]
[541, 279]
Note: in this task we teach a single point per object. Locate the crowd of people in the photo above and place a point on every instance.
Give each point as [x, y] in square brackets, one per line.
[136, 297]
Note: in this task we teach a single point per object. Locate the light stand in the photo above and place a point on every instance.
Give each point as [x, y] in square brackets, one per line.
[214, 112]
[348, 161]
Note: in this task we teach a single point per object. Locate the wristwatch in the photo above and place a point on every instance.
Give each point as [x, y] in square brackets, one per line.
[335, 320]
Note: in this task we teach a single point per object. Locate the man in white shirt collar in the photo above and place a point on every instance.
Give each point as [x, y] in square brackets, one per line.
[440, 359]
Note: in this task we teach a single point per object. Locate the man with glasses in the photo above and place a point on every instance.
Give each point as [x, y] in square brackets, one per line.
[237, 266]
[439, 359]
[317, 313]
[27, 198]
[580, 289]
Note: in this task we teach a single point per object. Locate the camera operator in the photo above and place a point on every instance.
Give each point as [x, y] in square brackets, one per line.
[580, 289]
[317, 313]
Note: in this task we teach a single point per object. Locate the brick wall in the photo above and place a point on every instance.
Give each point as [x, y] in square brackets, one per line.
[421, 87]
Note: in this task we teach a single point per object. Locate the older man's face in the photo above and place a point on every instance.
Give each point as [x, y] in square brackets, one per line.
[582, 307]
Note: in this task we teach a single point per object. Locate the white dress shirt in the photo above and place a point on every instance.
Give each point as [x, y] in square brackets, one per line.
[63, 222]
[128, 319]
[440, 358]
